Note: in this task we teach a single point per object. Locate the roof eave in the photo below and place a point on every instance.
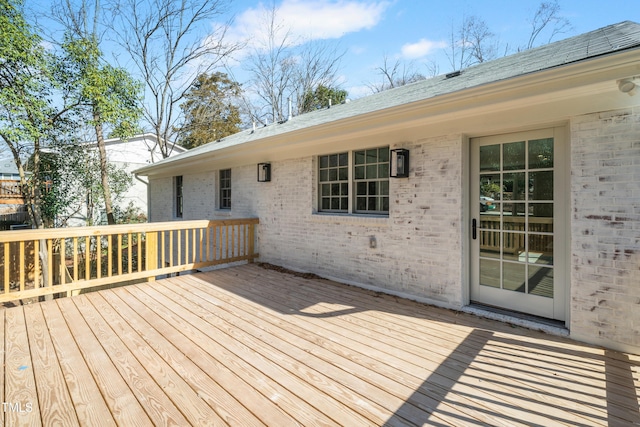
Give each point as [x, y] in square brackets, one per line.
[565, 80]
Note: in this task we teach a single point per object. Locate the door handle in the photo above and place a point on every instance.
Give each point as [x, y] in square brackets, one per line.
[474, 229]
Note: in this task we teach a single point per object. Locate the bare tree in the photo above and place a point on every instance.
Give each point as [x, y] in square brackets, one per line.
[395, 74]
[547, 17]
[472, 43]
[171, 43]
[317, 65]
[284, 68]
[271, 68]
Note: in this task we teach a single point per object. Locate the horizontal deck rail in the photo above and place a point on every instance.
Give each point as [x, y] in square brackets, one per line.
[36, 263]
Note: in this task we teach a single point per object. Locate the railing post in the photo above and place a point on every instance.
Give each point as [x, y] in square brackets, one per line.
[151, 252]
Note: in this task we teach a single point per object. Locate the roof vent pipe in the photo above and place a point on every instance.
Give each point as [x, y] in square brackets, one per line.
[290, 109]
[329, 102]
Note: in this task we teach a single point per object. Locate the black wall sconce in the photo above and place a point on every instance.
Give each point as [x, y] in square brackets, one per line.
[264, 172]
[399, 163]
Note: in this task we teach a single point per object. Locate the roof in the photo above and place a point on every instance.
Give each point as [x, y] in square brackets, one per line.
[8, 166]
[139, 137]
[604, 41]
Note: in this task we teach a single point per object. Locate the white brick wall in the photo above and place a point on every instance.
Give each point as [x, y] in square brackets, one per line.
[605, 228]
[418, 249]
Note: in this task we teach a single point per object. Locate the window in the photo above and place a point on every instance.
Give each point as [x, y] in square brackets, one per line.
[225, 189]
[334, 182]
[371, 178]
[177, 191]
[364, 172]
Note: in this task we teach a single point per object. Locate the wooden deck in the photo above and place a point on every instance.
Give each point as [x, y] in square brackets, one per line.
[248, 346]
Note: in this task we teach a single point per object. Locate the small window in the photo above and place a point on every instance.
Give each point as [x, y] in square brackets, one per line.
[177, 191]
[225, 189]
[334, 182]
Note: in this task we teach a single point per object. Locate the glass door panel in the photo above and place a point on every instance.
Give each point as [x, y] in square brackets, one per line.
[514, 248]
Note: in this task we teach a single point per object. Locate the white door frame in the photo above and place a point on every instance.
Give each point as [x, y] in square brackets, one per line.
[562, 202]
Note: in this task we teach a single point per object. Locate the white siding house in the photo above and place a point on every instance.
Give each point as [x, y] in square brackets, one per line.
[134, 153]
[523, 188]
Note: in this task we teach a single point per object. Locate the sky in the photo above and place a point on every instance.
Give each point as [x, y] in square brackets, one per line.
[413, 31]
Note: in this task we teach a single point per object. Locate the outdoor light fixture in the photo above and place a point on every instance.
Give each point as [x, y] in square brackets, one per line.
[264, 172]
[399, 163]
[628, 85]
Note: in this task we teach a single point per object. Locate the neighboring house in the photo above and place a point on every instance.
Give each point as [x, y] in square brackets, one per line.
[12, 207]
[523, 187]
[132, 154]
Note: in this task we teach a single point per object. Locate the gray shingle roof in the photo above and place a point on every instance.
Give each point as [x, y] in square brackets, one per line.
[604, 41]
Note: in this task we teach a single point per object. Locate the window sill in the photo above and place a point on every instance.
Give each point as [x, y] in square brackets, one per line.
[222, 213]
[346, 219]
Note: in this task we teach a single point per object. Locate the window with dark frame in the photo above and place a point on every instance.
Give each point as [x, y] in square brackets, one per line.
[364, 171]
[371, 180]
[225, 189]
[334, 182]
[178, 195]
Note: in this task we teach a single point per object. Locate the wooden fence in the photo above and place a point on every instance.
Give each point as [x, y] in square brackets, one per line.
[35, 263]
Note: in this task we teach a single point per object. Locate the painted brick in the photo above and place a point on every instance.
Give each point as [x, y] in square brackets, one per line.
[605, 273]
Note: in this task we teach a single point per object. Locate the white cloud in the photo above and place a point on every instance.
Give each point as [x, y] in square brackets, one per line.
[309, 19]
[421, 48]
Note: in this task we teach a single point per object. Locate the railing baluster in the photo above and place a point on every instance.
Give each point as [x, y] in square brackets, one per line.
[129, 253]
[193, 246]
[75, 259]
[36, 263]
[208, 241]
[171, 248]
[233, 241]
[119, 260]
[163, 259]
[98, 256]
[109, 255]
[87, 257]
[61, 252]
[139, 245]
[7, 261]
[22, 269]
[49, 262]
[218, 243]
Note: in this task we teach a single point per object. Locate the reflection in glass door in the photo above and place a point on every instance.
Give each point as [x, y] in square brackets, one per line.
[514, 257]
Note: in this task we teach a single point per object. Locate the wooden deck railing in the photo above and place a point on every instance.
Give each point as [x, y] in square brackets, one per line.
[84, 257]
[10, 188]
[10, 192]
[514, 237]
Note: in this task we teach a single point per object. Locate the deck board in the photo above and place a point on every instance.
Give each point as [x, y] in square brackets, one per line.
[52, 389]
[89, 404]
[248, 346]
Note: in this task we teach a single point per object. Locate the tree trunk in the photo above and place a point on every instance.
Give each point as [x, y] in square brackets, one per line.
[103, 169]
[32, 199]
